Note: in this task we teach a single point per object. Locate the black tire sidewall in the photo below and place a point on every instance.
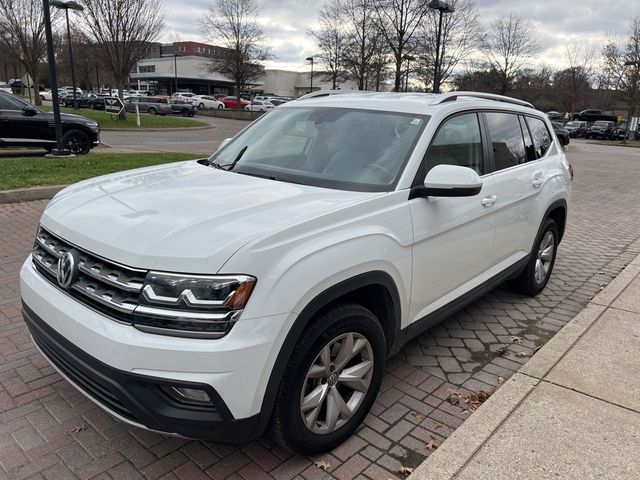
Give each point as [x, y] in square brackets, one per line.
[87, 142]
[548, 225]
[347, 318]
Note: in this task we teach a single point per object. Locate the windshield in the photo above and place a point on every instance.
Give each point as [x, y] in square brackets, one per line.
[339, 148]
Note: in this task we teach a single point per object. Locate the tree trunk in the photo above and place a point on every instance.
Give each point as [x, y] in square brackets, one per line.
[398, 84]
[36, 88]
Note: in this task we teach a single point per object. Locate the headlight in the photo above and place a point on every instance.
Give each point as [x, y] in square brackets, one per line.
[192, 305]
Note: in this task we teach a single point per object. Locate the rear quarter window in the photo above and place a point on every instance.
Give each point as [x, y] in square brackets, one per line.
[540, 134]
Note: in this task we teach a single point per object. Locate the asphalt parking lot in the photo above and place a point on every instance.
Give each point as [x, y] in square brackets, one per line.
[49, 430]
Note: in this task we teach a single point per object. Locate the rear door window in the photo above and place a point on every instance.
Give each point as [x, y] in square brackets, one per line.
[506, 139]
[541, 137]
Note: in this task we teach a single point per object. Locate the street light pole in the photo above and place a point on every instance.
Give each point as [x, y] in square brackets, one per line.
[67, 5]
[310, 59]
[175, 69]
[60, 150]
[442, 8]
[409, 59]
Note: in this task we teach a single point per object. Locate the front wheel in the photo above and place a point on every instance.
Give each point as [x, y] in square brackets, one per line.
[543, 257]
[76, 141]
[220, 107]
[331, 380]
[201, 106]
[153, 111]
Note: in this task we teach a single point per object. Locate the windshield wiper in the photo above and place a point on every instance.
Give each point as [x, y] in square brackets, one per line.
[230, 166]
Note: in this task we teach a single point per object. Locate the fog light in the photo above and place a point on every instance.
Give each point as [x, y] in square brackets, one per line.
[188, 395]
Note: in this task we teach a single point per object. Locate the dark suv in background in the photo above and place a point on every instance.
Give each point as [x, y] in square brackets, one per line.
[23, 125]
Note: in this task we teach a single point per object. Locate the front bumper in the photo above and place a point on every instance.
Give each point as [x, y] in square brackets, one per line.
[139, 399]
[122, 369]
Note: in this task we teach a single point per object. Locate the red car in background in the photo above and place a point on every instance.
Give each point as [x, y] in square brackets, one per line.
[232, 102]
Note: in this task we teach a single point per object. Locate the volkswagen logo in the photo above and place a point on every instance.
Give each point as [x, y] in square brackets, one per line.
[67, 269]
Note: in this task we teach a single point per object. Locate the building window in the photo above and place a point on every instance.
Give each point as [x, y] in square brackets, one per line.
[147, 69]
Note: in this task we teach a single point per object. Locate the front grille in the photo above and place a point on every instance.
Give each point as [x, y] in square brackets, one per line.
[108, 287]
[92, 384]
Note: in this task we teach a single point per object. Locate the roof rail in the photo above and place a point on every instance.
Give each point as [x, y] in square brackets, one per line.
[327, 93]
[453, 96]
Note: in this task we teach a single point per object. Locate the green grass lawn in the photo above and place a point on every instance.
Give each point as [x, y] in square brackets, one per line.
[107, 120]
[618, 143]
[25, 172]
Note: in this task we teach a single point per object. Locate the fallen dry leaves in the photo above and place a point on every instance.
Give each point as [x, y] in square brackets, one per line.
[432, 445]
[78, 428]
[406, 470]
[470, 401]
[322, 465]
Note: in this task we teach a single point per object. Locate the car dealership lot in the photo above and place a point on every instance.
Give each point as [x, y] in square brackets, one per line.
[48, 429]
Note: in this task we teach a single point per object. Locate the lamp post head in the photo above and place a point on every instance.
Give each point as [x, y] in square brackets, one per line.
[66, 5]
[631, 63]
[441, 6]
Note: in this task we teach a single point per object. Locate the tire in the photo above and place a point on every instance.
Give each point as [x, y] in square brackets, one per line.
[201, 106]
[42, 97]
[535, 276]
[77, 142]
[220, 107]
[152, 111]
[318, 431]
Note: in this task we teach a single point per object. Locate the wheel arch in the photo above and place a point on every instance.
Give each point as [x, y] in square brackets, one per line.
[557, 211]
[374, 290]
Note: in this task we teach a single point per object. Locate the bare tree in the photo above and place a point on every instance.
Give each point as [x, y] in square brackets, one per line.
[232, 24]
[22, 36]
[122, 31]
[508, 47]
[622, 66]
[331, 40]
[366, 47]
[398, 21]
[461, 36]
[575, 82]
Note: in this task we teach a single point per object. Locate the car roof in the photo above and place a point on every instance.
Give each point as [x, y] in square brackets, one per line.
[416, 103]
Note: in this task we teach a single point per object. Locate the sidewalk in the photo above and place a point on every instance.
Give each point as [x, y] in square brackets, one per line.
[571, 412]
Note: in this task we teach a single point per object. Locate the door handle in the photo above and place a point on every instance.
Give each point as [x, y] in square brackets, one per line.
[489, 201]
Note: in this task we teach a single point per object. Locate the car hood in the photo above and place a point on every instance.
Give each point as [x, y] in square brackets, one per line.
[182, 217]
[69, 117]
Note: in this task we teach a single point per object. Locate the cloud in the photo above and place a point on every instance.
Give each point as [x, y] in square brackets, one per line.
[556, 22]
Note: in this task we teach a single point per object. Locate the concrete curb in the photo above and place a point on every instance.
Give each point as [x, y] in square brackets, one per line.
[180, 129]
[29, 194]
[455, 453]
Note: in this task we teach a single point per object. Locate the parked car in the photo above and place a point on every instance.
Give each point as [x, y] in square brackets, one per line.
[232, 102]
[562, 133]
[24, 125]
[621, 132]
[185, 108]
[265, 287]
[576, 128]
[601, 129]
[183, 95]
[150, 105]
[553, 115]
[69, 90]
[207, 102]
[5, 88]
[86, 100]
[593, 115]
[260, 106]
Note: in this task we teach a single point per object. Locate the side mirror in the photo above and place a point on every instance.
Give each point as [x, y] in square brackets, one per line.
[452, 181]
[29, 111]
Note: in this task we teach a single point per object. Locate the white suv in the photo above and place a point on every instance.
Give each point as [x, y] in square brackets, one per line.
[263, 288]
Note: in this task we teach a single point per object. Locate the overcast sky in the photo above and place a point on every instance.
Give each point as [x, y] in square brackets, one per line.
[557, 22]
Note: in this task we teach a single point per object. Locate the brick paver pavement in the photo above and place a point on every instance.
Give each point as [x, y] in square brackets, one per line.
[49, 430]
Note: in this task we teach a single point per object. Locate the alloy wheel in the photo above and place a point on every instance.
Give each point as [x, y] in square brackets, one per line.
[336, 383]
[545, 257]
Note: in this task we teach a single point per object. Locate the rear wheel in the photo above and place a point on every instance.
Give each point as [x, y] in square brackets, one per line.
[220, 107]
[201, 106]
[76, 141]
[543, 257]
[331, 380]
[153, 111]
